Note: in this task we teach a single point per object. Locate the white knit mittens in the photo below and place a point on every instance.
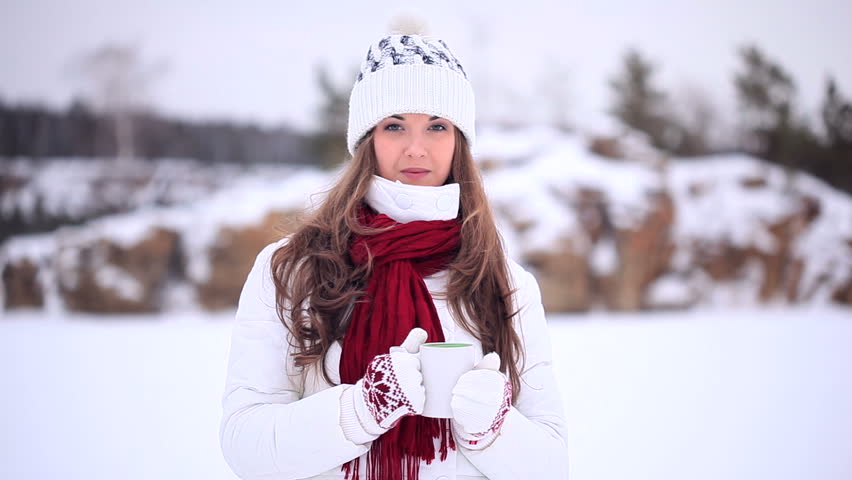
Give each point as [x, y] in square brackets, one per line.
[392, 386]
[481, 399]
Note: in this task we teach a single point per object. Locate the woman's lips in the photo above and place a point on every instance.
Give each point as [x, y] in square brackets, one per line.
[415, 173]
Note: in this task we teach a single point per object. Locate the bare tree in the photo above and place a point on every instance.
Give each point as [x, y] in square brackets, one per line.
[481, 66]
[554, 95]
[118, 81]
[697, 121]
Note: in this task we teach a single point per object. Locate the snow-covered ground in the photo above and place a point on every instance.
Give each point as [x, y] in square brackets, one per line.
[721, 394]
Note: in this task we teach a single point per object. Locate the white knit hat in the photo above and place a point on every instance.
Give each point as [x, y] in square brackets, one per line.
[410, 74]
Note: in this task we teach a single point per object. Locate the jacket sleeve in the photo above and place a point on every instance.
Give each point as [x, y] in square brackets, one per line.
[532, 442]
[268, 430]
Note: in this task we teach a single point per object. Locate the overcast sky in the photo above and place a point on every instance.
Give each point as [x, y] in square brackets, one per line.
[254, 60]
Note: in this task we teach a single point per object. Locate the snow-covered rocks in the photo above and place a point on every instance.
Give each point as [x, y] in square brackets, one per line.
[151, 259]
[620, 232]
[98, 274]
[597, 232]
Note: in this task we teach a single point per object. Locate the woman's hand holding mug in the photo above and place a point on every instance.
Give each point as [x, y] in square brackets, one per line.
[480, 401]
[392, 386]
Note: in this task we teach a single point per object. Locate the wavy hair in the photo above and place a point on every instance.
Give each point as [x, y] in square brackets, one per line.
[317, 284]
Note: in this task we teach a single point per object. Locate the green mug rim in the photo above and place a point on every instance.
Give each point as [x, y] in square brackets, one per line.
[447, 344]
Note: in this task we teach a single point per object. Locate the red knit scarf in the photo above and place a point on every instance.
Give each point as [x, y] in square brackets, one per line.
[398, 300]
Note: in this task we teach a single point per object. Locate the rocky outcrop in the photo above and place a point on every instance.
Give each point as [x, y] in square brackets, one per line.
[778, 267]
[94, 271]
[644, 254]
[232, 256]
[640, 255]
[21, 285]
[608, 147]
[843, 294]
[563, 277]
[102, 276]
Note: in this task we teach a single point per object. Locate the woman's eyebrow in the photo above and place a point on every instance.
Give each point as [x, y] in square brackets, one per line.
[400, 117]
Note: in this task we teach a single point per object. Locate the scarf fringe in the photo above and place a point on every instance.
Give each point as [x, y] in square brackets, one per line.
[397, 456]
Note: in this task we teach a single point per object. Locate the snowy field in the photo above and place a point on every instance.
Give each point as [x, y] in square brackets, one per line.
[748, 394]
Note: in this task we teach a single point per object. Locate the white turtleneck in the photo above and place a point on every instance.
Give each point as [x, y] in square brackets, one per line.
[406, 203]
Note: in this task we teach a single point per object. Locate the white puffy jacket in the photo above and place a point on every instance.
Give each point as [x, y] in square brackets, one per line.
[280, 423]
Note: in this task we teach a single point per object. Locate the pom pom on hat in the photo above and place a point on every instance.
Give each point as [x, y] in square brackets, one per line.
[408, 24]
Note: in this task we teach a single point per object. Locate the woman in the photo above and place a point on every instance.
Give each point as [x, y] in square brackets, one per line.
[323, 379]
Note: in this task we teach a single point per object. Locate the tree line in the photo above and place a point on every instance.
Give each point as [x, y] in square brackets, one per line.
[35, 131]
[769, 123]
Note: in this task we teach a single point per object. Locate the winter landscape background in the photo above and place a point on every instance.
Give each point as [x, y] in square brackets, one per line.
[678, 178]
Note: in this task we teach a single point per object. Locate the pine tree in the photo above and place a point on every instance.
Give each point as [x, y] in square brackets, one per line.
[773, 130]
[837, 118]
[328, 144]
[638, 103]
[836, 164]
[765, 92]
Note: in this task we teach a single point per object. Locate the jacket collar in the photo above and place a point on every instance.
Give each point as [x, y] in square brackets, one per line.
[405, 203]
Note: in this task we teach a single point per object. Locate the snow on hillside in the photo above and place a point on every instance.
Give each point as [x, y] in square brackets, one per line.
[727, 209]
[244, 203]
[79, 188]
[720, 199]
[702, 395]
[724, 209]
[543, 170]
[827, 245]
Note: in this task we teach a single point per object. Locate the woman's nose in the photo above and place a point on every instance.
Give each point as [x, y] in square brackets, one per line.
[416, 146]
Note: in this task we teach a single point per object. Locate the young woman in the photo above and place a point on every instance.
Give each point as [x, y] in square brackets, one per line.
[323, 378]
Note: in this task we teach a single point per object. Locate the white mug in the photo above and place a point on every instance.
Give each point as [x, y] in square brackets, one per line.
[442, 363]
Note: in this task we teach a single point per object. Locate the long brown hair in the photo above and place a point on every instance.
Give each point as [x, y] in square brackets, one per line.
[317, 283]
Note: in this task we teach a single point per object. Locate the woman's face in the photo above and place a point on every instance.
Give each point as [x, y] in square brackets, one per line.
[415, 148]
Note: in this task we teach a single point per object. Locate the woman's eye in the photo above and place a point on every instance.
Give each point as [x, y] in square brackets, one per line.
[439, 126]
[393, 126]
